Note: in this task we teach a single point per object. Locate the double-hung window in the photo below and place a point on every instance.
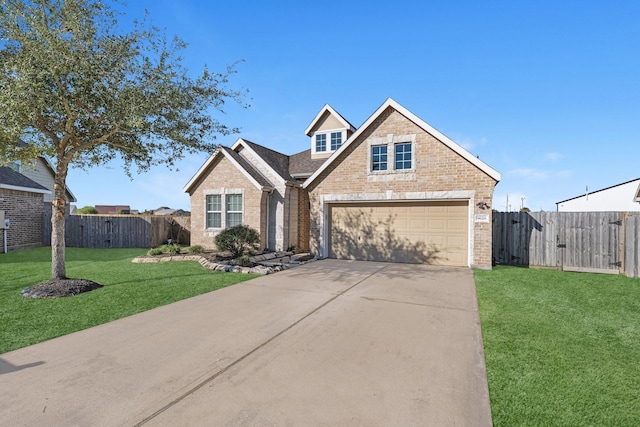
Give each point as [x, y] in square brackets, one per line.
[214, 211]
[379, 158]
[403, 156]
[219, 206]
[234, 210]
[336, 140]
[321, 142]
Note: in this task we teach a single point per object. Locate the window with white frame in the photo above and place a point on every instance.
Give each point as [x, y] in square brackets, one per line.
[321, 142]
[402, 156]
[336, 140]
[379, 158]
[234, 210]
[214, 211]
[223, 210]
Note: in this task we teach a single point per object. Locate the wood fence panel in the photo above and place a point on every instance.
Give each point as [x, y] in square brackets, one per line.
[120, 231]
[632, 249]
[603, 242]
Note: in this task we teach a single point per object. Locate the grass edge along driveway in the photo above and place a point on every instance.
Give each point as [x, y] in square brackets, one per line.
[561, 349]
[128, 289]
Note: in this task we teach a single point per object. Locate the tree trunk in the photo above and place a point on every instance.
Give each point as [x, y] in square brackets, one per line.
[58, 211]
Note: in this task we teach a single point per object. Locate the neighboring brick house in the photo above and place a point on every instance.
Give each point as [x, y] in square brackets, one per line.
[394, 189]
[22, 201]
[113, 209]
[41, 171]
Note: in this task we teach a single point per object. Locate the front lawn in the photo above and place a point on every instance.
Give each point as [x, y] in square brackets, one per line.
[562, 349]
[128, 289]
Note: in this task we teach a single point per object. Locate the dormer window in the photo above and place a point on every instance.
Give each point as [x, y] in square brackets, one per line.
[321, 143]
[326, 142]
[327, 132]
[336, 140]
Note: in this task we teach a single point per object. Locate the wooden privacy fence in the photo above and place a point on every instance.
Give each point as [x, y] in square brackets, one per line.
[120, 231]
[599, 242]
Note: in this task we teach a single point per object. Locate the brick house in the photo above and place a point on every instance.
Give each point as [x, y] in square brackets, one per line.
[394, 189]
[41, 171]
[22, 201]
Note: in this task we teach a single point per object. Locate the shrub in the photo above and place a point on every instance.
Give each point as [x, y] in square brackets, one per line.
[155, 251]
[238, 240]
[165, 249]
[243, 261]
[171, 249]
[87, 210]
[197, 249]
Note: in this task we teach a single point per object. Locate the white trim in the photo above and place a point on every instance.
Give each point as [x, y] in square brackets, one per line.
[343, 135]
[25, 189]
[208, 163]
[223, 193]
[419, 122]
[327, 108]
[246, 146]
[395, 197]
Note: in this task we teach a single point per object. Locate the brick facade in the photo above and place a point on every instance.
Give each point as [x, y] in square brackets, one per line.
[226, 179]
[24, 210]
[439, 173]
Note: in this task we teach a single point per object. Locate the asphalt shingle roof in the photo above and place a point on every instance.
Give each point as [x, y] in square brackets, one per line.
[279, 162]
[10, 177]
[302, 163]
[247, 167]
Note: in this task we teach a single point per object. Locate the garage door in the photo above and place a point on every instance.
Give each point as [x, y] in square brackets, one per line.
[414, 232]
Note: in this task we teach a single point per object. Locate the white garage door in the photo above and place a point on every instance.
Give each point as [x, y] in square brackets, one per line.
[414, 232]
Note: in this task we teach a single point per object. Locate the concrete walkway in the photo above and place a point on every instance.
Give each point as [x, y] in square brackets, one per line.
[328, 343]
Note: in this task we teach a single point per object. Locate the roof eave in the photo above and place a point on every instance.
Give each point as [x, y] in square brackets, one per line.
[328, 108]
[26, 189]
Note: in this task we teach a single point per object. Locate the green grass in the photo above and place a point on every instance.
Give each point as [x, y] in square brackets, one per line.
[128, 289]
[562, 349]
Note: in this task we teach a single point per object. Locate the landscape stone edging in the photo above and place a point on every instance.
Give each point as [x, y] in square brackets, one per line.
[268, 268]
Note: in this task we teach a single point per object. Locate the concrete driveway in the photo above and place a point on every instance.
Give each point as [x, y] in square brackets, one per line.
[328, 343]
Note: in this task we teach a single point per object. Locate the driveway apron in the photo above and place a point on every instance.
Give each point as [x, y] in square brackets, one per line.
[328, 343]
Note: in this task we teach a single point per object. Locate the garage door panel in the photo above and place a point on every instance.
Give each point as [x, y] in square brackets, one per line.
[419, 232]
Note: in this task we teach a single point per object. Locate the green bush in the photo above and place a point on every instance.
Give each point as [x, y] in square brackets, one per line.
[165, 249]
[243, 261]
[197, 249]
[87, 210]
[155, 251]
[171, 249]
[238, 240]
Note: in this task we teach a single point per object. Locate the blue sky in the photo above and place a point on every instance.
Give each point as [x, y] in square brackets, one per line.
[545, 92]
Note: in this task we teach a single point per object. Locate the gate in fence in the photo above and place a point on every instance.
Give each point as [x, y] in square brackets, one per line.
[599, 242]
[120, 231]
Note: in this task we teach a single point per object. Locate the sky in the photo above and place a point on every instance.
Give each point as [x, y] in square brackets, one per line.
[545, 92]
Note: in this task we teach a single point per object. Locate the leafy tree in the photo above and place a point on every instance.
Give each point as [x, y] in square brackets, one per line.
[83, 93]
[87, 210]
[238, 240]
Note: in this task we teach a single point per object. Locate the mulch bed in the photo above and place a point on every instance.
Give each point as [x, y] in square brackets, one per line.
[58, 288]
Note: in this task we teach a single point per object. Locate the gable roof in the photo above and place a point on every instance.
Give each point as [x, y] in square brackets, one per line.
[390, 103]
[636, 195]
[49, 167]
[327, 109]
[12, 180]
[243, 166]
[277, 162]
